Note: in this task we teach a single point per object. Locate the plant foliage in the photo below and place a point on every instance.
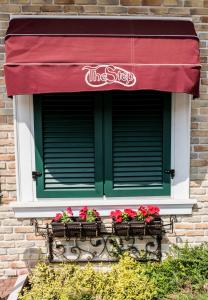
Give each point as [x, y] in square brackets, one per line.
[182, 275]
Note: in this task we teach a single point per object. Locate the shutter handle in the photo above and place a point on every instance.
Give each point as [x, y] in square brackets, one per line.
[36, 174]
[171, 172]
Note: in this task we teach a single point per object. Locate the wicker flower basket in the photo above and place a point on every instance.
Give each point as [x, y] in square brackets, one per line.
[131, 228]
[76, 229]
[154, 227]
[58, 229]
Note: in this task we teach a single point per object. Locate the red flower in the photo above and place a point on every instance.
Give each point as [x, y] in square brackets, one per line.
[84, 209]
[82, 215]
[143, 211]
[116, 213]
[153, 210]
[130, 212]
[149, 219]
[69, 211]
[118, 219]
[57, 217]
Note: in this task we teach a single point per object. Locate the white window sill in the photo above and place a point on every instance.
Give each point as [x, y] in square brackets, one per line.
[49, 207]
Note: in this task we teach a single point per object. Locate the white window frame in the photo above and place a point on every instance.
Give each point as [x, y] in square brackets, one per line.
[29, 206]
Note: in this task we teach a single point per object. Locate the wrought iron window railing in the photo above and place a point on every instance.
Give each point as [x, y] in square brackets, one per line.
[99, 242]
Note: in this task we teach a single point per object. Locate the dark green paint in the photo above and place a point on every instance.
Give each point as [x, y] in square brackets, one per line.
[133, 150]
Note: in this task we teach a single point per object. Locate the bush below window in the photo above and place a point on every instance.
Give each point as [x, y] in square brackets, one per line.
[184, 270]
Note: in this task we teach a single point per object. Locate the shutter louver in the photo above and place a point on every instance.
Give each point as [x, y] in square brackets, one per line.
[137, 141]
[67, 145]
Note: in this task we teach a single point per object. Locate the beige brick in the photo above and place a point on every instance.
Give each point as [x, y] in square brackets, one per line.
[131, 2]
[11, 165]
[151, 2]
[202, 226]
[4, 265]
[6, 112]
[201, 148]
[10, 272]
[85, 2]
[42, 1]
[75, 9]
[170, 2]
[14, 237]
[3, 251]
[199, 11]
[6, 142]
[4, 17]
[31, 8]
[11, 222]
[15, 250]
[195, 233]
[107, 2]
[64, 1]
[203, 125]
[184, 226]
[137, 10]
[180, 233]
[10, 187]
[50, 8]
[33, 237]
[6, 127]
[194, 3]
[8, 257]
[116, 10]
[20, 1]
[179, 11]
[7, 244]
[6, 230]
[203, 155]
[24, 244]
[10, 8]
[10, 180]
[196, 183]
[18, 265]
[24, 229]
[2, 165]
[199, 163]
[3, 135]
[159, 10]
[88, 9]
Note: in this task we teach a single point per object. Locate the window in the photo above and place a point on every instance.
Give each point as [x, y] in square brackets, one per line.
[94, 144]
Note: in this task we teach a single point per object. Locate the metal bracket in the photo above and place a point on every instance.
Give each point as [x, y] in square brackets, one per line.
[171, 172]
[36, 174]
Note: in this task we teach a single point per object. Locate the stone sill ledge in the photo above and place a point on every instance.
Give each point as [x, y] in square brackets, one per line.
[44, 208]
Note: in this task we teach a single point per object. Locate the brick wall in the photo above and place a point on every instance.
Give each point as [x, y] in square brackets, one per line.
[16, 236]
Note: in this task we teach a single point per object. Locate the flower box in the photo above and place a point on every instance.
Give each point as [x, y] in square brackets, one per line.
[58, 229]
[88, 224]
[154, 227]
[83, 229]
[76, 229]
[131, 228]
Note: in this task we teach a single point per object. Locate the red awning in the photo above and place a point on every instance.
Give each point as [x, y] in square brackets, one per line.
[47, 55]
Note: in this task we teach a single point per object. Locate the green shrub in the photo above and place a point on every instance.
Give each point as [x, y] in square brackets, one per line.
[184, 269]
[126, 281]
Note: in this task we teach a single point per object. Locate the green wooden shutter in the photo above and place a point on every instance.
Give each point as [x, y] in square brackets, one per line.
[137, 144]
[68, 131]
